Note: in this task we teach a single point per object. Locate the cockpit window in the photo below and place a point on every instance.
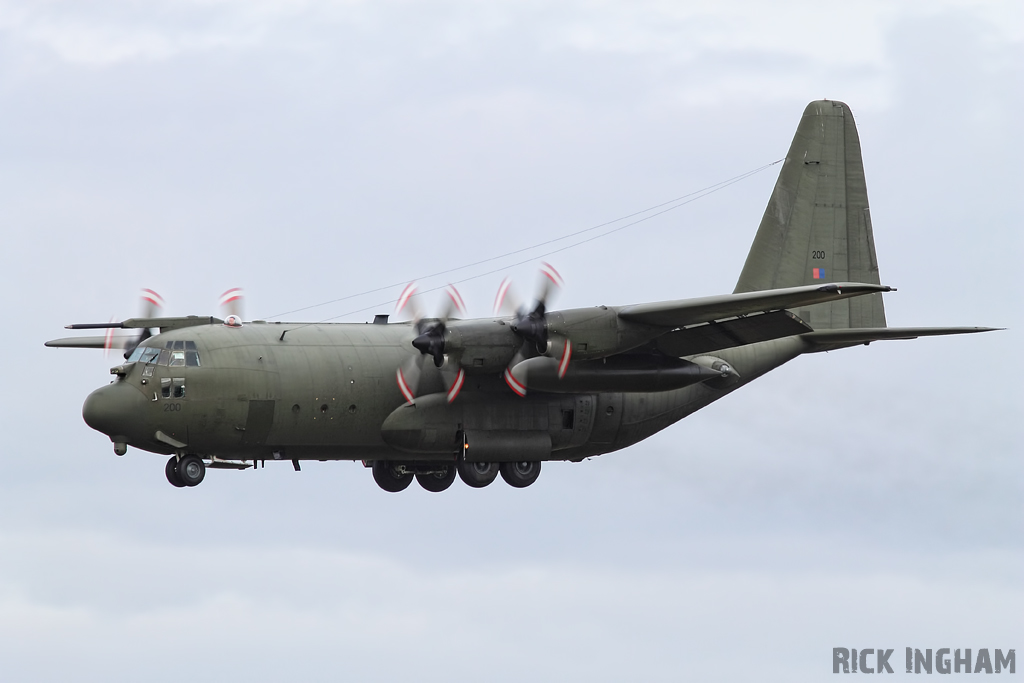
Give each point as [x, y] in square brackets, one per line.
[143, 354]
[176, 354]
[191, 354]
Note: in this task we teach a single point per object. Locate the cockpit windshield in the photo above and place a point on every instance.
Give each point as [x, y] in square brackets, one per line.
[174, 354]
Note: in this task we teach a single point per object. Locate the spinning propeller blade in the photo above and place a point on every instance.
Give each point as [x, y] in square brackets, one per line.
[231, 307]
[151, 304]
[532, 325]
[428, 341]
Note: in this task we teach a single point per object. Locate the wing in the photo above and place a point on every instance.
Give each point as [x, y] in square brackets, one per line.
[726, 334]
[706, 309]
[87, 342]
[164, 324]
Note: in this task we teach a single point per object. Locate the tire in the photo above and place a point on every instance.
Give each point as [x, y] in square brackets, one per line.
[171, 470]
[388, 478]
[520, 474]
[477, 474]
[191, 470]
[437, 482]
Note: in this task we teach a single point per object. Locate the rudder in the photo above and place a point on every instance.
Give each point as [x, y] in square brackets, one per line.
[816, 228]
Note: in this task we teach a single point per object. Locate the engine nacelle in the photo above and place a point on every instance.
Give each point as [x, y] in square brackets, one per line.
[481, 346]
[617, 373]
[599, 332]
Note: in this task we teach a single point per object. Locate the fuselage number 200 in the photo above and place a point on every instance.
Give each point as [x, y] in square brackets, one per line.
[817, 255]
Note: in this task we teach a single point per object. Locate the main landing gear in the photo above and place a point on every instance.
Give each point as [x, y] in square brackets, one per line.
[520, 474]
[188, 470]
[391, 477]
[436, 477]
[394, 477]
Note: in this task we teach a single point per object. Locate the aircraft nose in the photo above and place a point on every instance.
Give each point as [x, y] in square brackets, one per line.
[112, 409]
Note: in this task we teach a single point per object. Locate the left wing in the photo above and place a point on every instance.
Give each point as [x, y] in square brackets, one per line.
[88, 342]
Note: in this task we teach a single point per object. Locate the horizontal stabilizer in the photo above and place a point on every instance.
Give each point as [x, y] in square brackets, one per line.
[705, 309]
[827, 340]
[726, 334]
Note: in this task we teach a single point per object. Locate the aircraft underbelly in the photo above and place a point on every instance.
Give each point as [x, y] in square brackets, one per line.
[645, 414]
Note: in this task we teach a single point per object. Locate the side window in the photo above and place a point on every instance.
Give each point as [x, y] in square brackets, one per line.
[165, 357]
[178, 385]
[165, 387]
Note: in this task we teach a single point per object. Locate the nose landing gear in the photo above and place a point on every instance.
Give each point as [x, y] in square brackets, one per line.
[188, 470]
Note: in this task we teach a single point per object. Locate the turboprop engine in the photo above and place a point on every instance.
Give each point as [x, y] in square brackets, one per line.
[617, 373]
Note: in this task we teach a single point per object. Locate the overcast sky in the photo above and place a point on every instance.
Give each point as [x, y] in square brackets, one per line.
[309, 151]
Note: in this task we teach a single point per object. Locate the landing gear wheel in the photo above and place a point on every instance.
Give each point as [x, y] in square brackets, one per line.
[478, 474]
[171, 470]
[191, 470]
[520, 474]
[437, 481]
[389, 478]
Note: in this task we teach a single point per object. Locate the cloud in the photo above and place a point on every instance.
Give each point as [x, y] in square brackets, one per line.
[257, 611]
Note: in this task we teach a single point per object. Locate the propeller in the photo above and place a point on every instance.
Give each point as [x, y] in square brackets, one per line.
[429, 342]
[151, 304]
[532, 325]
[231, 307]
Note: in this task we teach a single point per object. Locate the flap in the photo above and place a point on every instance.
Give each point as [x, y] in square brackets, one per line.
[726, 334]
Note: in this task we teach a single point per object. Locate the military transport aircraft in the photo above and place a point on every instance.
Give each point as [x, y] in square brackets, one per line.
[434, 397]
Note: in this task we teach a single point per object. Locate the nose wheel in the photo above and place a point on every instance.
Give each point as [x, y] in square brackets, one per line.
[171, 470]
[187, 470]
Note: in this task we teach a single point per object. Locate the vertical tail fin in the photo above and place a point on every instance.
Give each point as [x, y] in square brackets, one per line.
[817, 225]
